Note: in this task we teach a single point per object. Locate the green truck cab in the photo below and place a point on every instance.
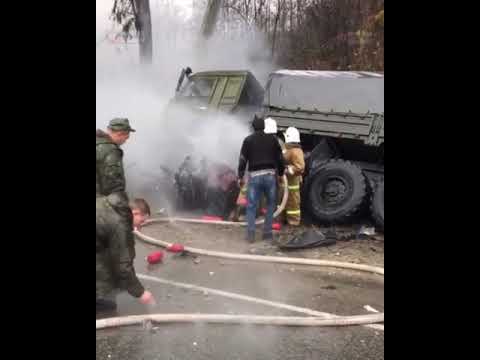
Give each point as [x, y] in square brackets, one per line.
[235, 92]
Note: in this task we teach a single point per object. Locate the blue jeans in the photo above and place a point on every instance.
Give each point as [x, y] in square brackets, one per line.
[258, 185]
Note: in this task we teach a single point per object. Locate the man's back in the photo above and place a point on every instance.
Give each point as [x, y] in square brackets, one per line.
[262, 151]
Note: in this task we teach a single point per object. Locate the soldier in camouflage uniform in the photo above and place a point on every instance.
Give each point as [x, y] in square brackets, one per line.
[110, 173]
[115, 253]
[114, 238]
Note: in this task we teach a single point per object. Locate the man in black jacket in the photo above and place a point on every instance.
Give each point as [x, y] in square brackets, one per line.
[263, 154]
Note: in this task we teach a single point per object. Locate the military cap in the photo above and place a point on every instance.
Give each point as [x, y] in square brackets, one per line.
[120, 124]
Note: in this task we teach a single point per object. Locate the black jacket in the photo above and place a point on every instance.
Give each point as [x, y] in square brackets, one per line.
[261, 151]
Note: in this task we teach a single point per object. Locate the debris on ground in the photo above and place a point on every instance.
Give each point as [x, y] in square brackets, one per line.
[308, 239]
[346, 236]
[232, 240]
[365, 232]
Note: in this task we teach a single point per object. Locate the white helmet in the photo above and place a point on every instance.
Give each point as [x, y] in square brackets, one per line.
[270, 126]
[292, 135]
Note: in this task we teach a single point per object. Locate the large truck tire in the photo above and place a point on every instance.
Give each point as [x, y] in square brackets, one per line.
[337, 191]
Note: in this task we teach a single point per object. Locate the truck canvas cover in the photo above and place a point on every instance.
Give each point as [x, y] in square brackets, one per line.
[326, 91]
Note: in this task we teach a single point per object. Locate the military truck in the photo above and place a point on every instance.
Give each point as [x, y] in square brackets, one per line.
[340, 116]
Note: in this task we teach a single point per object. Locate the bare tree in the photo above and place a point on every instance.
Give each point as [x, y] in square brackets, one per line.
[280, 6]
[316, 34]
[134, 15]
[210, 18]
[312, 34]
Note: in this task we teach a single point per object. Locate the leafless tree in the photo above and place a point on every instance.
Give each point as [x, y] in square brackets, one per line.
[316, 34]
[134, 16]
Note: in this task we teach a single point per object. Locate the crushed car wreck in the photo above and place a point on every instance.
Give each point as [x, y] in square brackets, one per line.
[210, 186]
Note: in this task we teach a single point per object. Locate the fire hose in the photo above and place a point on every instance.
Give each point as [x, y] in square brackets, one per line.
[236, 319]
[320, 319]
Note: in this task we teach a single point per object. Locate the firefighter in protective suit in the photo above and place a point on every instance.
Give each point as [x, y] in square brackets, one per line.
[295, 166]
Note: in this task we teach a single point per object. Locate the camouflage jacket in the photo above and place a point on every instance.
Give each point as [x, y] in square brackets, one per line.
[110, 174]
[115, 248]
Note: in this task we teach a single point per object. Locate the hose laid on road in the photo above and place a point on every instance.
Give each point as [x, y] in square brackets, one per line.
[325, 319]
[261, 258]
[236, 319]
[251, 299]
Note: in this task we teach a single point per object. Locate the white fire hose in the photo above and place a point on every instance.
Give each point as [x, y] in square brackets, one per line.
[320, 319]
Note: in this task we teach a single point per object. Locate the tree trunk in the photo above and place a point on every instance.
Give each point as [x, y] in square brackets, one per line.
[210, 18]
[277, 17]
[145, 31]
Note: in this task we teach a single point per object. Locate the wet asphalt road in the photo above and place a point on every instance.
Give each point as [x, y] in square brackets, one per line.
[323, 289]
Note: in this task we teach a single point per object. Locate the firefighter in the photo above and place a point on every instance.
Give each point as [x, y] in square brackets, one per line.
[295, 166]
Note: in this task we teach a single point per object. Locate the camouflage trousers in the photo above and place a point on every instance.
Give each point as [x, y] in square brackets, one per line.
[110, 228]
[105, 284]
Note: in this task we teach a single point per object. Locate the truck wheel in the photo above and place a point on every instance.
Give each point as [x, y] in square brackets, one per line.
[377, 207]
[337, 191]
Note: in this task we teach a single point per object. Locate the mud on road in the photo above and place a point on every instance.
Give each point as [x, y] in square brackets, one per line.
[324, 289]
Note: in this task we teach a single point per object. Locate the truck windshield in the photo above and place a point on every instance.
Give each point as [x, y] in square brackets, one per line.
[198, 87]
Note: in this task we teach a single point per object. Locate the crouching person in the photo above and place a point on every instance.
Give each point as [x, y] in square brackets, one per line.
[115, 252]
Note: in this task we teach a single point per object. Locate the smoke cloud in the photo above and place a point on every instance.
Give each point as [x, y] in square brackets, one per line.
[126, 89]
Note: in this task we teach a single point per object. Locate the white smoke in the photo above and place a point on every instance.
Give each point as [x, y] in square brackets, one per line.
[126, 89]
